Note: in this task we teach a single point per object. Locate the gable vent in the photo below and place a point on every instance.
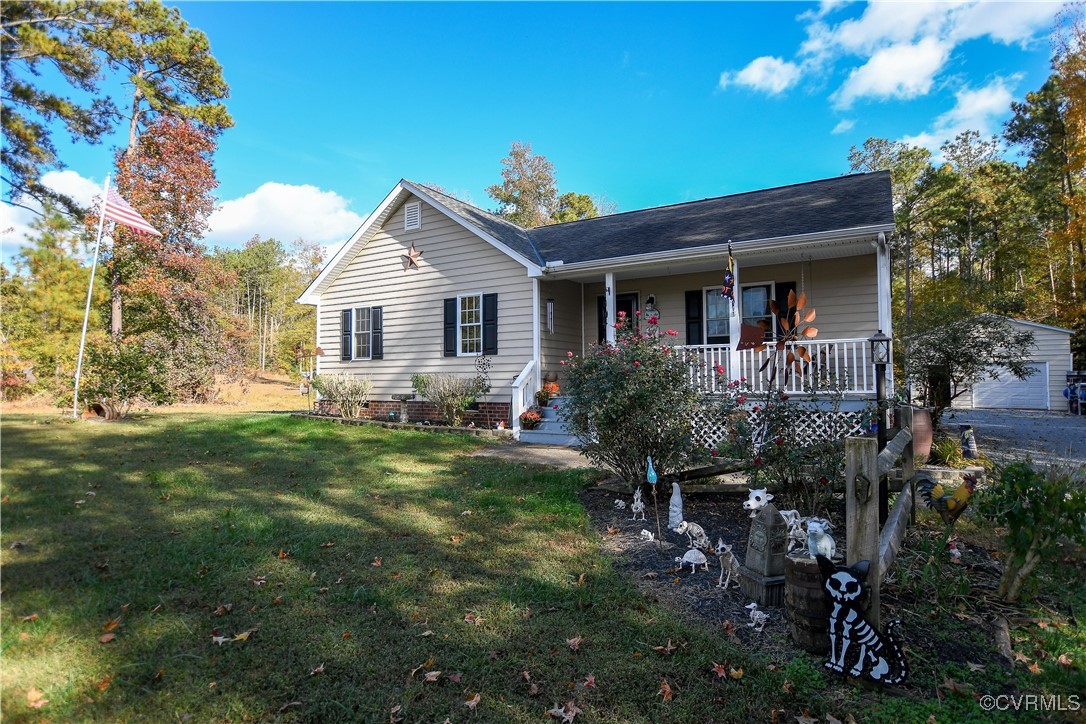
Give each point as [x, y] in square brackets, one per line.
[412, 216]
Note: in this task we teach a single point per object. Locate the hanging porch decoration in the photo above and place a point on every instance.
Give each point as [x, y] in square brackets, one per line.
[727, 289]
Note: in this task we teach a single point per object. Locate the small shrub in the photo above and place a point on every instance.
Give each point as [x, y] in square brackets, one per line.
[451, 395]
[1037, 507]
[349, 393]
[947, 451]
[120, 375]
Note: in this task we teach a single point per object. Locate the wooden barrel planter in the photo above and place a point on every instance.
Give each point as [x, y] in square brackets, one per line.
[807, 605]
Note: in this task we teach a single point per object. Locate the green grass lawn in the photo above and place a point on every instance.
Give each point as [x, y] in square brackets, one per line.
[359, 561]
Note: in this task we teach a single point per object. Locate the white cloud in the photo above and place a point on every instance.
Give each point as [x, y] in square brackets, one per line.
[285, 212]
[768, 74]
[974, 110]
[15, 221]
[1004, 22]
[844, 125]
[905, 70]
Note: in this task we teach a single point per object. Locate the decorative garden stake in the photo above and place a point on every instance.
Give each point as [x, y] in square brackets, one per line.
[763, 566]
[650, 477]
[856, 647]
[675, 509]
[695, 558]
[638, 505]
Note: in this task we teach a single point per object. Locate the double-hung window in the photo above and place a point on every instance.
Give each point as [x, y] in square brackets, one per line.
[469, 328]
[362, 330]
[718, 312]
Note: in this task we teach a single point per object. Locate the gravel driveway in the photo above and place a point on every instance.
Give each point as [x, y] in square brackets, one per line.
[1010, 435]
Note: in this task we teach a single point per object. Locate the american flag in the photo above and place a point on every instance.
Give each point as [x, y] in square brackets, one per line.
[117, 209]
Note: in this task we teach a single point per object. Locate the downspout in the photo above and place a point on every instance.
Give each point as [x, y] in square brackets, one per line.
[882, 261]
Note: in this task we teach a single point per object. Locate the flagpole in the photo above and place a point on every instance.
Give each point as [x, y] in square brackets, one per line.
[90, 292]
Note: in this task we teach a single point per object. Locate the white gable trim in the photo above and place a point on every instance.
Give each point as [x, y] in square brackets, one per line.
[534, 269]
[377, 219]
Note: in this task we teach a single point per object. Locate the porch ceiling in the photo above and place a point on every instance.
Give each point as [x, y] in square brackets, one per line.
[699, 261]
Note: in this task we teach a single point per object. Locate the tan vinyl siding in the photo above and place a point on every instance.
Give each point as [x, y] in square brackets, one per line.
[567, 325]
[454, 261]
[843, 292]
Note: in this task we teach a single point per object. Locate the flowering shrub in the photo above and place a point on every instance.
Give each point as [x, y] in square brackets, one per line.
[348, 392]
[631, 399]
[530, 419]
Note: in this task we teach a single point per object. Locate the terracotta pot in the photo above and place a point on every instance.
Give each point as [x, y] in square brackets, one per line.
[922, 431]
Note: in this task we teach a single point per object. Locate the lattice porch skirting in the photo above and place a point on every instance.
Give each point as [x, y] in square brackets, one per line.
[819, 425]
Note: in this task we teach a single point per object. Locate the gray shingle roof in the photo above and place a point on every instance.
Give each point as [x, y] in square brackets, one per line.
[842, 202]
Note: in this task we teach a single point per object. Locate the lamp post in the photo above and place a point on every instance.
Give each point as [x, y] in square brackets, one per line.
[880, 356]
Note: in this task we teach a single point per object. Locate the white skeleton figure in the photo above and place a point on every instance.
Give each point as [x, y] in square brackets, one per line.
[819, 541]
[757, 500]
[796, 535]
[638, 505]
[695, 558]
[695, 534]
[757, 618]
[647, 536]
[728, 564]
[620, 504]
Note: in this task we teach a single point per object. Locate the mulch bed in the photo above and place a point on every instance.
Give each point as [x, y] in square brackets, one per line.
[652, 566]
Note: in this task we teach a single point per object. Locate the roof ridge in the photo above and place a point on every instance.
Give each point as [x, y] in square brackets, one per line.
[713, 198]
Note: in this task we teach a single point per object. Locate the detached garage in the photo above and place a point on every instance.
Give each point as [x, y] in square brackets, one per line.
[1043, 390]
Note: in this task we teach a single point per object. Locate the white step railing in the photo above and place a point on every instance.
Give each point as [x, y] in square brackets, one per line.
[523, 395]
[846, 362]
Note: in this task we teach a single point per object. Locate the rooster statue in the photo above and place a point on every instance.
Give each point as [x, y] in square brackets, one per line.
[950, 505]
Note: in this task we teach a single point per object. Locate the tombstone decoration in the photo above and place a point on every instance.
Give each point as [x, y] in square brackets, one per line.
[675, 509]
[763, 566]
[856, 647]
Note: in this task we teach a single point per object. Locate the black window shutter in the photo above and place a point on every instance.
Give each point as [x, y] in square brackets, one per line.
[345, 332]
[693, 317]
[377, 333]
[490, 324]
[782, 289]
[450, 327]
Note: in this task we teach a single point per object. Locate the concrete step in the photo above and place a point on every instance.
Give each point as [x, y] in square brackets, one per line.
[543, 436]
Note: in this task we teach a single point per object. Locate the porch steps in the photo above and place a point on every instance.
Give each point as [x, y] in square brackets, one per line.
[551, 431]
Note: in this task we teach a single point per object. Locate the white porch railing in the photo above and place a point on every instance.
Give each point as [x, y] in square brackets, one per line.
[844, 361]
[523, 395]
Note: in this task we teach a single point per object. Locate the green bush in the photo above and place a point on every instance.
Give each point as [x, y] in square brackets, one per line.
[631, 399]
[349, 393]
[119, 375]
[1038, 507]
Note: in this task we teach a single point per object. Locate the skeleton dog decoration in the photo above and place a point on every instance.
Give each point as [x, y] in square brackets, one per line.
[695, 534]
[856, 647]
[728, 564]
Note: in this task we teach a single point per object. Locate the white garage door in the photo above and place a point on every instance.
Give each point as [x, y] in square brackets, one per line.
[1009, 391]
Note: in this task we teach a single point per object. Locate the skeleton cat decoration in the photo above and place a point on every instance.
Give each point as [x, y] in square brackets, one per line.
[856, 647]
[728, 565]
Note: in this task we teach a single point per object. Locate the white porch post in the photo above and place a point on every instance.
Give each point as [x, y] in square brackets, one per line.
[735, 323]
[609, 297]
[882, 261]
[536, 331]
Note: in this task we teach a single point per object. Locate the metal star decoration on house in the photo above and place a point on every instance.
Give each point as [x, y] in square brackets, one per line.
[411, 258]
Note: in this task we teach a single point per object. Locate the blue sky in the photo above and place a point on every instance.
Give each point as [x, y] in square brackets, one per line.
[645, 103]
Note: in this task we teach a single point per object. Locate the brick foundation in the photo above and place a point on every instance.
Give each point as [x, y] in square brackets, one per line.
[487, 416]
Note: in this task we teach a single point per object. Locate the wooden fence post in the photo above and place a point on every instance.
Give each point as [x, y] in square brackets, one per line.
[862, 512]
[904, 416]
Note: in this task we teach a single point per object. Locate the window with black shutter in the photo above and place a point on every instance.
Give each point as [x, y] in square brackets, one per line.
[470, 325]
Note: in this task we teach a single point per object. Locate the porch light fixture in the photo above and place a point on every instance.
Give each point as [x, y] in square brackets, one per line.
[880, 348]
[550, 316]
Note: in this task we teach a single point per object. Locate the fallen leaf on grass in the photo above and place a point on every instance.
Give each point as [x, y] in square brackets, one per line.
[566, 712]
[788, 687]
[612, 530]
[24, 636]
[424, 665]
[107, 638]
[1034, 668]
[104, 683]
[455, 677]
[289, 705]
[456, 538]
[28, 619]
[431, 676]
[526, 675]
[472, 618]
[282, 554]
[112, 624]
[473, 702]
[575, 643]
[244, 635]
[392, 718]
[665, 650]
[806, 718]
[329, 544]
[734, 673]
[224, 609]
[277, 600]
[34, 699]
[590, 681]
[346, 635]
[1065, 661]
[220, 640]
[259, 580]
[322, 591]
[956, 687]
[719, 670]
[1020, 657]
[533, 690]
[158, 675]
[318, 670]
[426, 633]
[831, 719]
[665, 690]
[376, 562]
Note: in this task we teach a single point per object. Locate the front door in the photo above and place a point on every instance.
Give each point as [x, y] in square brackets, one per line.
[623, 303]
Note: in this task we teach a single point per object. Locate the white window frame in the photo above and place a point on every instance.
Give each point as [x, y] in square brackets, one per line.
[705, 316]
[771, 333]
[460, 324]
[415, 206]
[356, 334]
